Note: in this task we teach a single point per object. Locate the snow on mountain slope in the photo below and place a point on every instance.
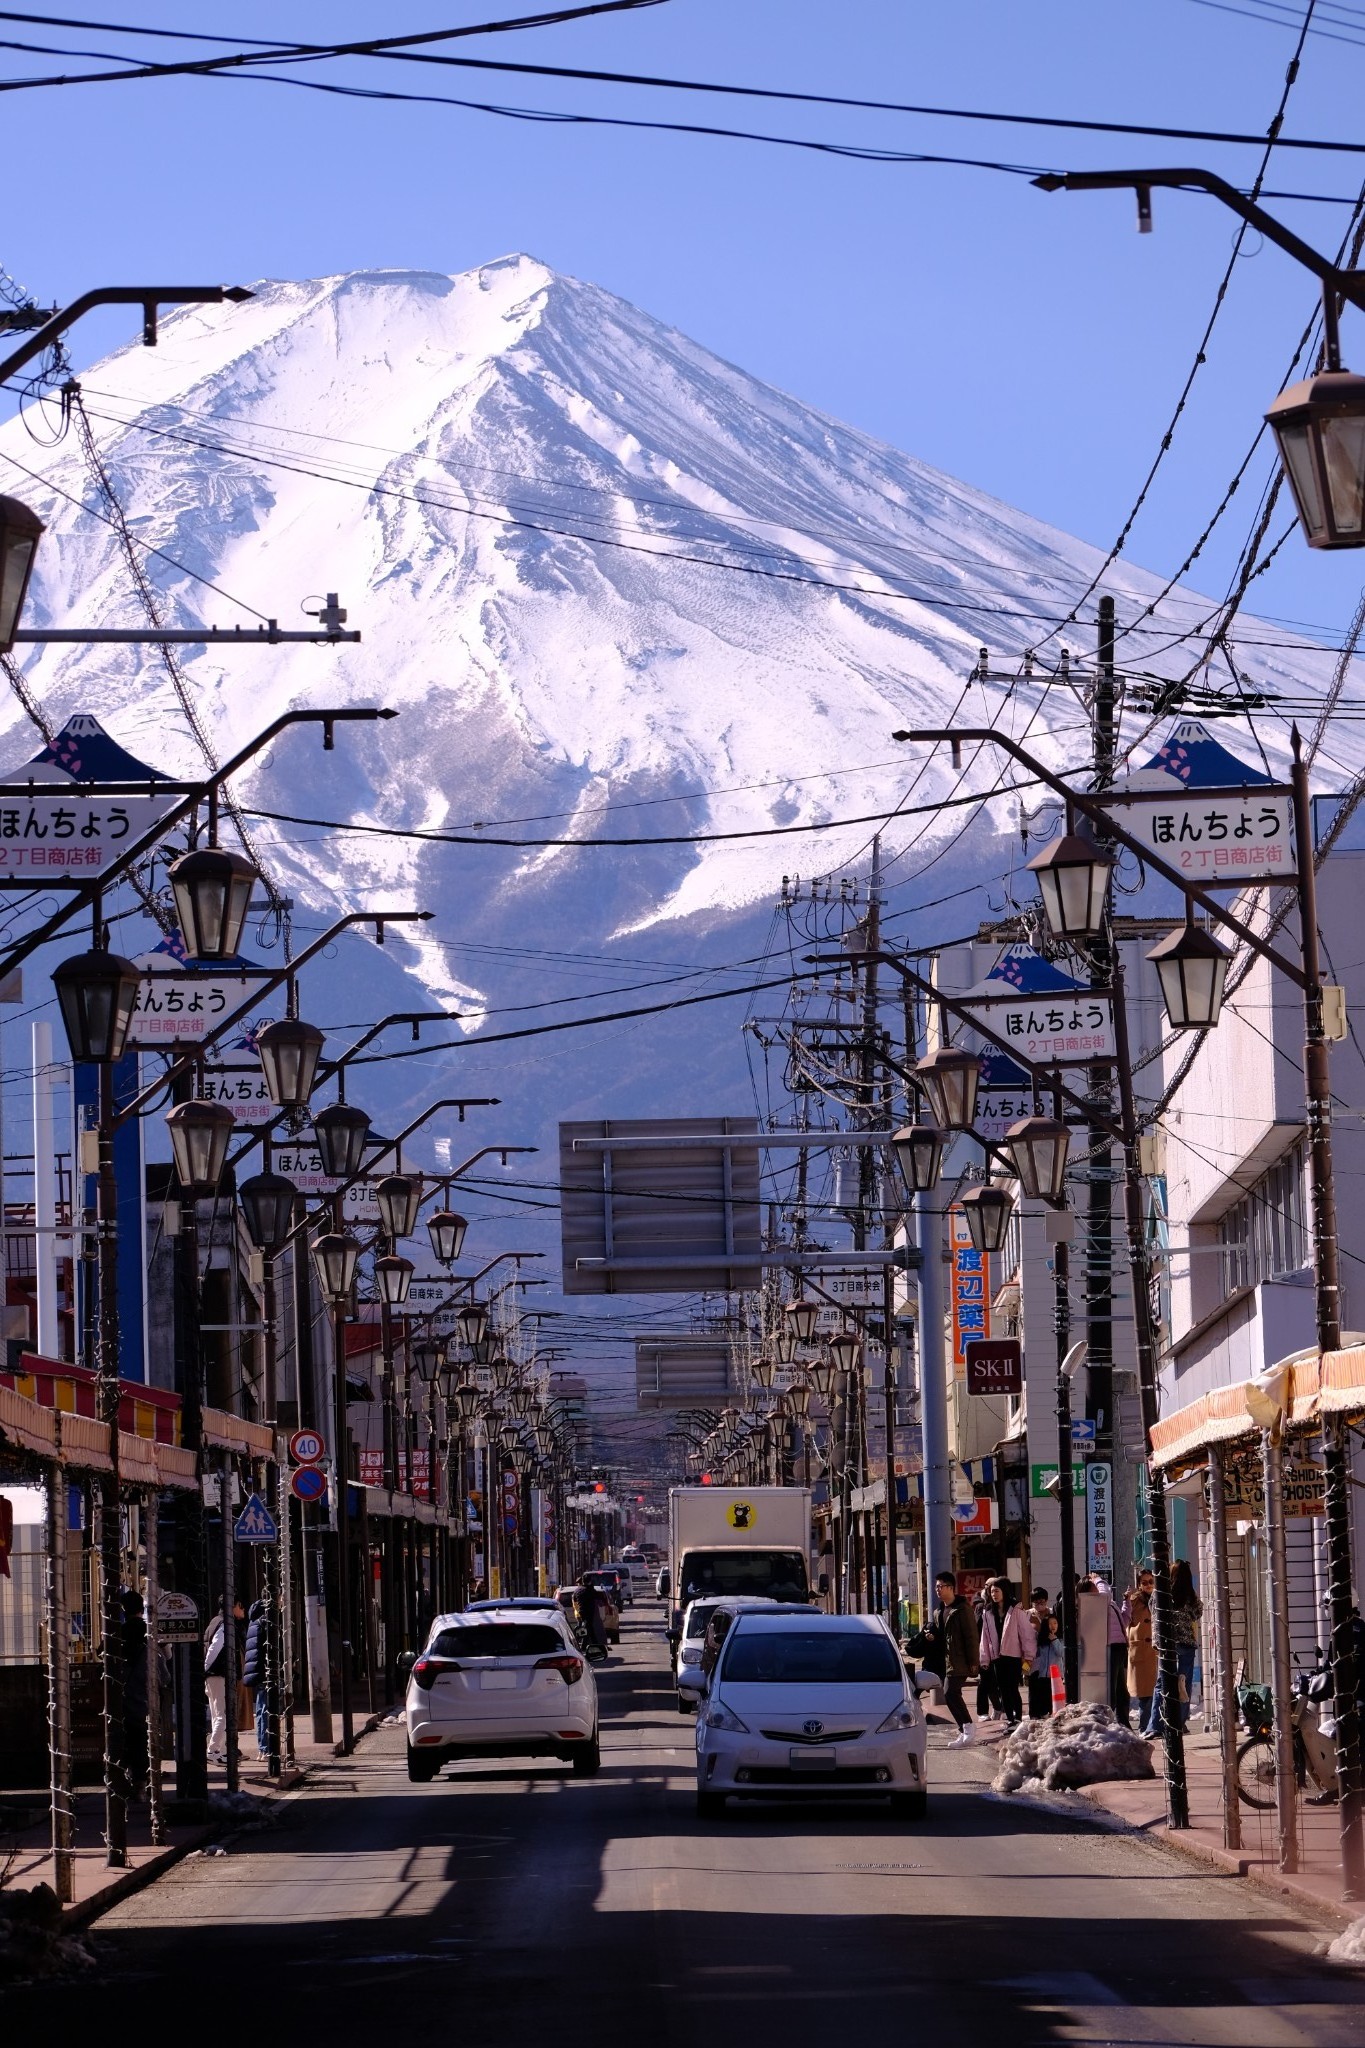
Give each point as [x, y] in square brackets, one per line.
[590, 562]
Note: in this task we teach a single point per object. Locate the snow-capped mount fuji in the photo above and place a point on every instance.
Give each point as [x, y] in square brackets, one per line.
[600, 572]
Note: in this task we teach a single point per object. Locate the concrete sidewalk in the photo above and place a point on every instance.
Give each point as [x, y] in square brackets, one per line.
[26, 1839]
[1140, 1805]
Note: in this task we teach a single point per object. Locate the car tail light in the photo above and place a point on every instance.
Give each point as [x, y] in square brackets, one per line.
[427, 1670]
[569, 1668]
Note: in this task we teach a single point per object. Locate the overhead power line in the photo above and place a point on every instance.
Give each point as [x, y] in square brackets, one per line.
[401, 48]
[372, 46]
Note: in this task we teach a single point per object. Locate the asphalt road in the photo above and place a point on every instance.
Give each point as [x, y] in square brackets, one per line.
[517, 1906]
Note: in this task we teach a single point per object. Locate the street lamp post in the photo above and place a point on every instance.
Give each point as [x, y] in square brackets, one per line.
[336, 1255]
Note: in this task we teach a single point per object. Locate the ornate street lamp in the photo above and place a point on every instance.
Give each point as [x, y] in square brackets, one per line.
[1073, 876]
[1320, 427]
[509, 1436]
[289, 1051]
[340, 1132]
[803, 1315]
[472, 1321]
[20, 531]
[919, 1154]
[763, 1370]
[521, 1401]
[988, 1210]
[1192, 967]
[336, 1255]
[212, 890]
[845, 1351]
[447, 1235]
[822, 1378]
[466, 1402]
[393, 1277]
[1038, 1145]
[200, 1135]
[267, 1201]
[399, 1196]
[427, 1358]
[950, 1078]
[97, 992]
[504, 1372]
[784, 1344]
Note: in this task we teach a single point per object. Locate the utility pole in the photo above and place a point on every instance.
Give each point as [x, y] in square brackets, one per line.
[1099, 1247]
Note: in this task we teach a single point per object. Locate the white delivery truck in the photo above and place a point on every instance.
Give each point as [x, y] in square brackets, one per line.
[727, 1540]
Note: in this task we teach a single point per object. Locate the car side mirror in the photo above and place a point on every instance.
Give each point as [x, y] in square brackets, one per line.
[406, 1660]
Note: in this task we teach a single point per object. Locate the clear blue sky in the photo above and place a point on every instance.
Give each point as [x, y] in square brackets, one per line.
[1032, 345]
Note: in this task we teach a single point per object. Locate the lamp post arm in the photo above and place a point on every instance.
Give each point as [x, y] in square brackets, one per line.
[148, 296]
[1099, 815]
[1350, 284]
[185, 1061]
[82, 898]
[265, 1135]
[460, 1102]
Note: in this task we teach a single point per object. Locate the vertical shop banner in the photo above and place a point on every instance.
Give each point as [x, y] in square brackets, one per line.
[969, 1289]
[1099, 1522]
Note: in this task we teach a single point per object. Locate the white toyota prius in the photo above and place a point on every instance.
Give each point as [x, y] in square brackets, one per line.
[500, 1681]
[809, 1705]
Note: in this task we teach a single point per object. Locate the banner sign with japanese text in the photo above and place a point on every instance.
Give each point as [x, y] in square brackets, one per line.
[241, 1085]
[970, 1284]
[70, 836]
[1219, 838]
[182, 1005]
[1063, 1029]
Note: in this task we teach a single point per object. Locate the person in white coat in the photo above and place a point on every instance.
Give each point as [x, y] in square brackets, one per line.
[215, 1680]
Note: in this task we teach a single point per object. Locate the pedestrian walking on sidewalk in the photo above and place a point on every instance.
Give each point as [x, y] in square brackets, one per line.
[1047, 1657]
[952, 1649]
[988, 1630]
[215, 1681]
[254, 1676]
[1117, 1620]
[1018, 1642]
[1186, 1612]
[1142, 1646]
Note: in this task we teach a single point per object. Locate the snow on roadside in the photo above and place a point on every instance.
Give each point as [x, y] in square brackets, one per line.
[1081, 1745]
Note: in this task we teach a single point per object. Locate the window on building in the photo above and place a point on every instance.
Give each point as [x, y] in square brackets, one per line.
[1265, 1235]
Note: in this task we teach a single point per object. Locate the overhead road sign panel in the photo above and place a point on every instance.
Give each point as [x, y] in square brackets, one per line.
[662, 1218]
[681, 1372]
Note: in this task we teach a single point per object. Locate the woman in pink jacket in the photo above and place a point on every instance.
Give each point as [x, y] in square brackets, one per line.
[1018, 1639]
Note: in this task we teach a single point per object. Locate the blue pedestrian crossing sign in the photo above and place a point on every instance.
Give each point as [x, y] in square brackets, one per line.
[255, 1524]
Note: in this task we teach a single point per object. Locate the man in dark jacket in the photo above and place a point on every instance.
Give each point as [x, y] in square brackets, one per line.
[955, 1650]
[254, 1676]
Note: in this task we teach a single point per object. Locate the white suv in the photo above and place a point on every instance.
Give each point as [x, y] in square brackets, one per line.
[501, 1681]
[803, 1704]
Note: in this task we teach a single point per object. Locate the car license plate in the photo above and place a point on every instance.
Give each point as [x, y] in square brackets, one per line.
[813, 1759]
[498, 1681]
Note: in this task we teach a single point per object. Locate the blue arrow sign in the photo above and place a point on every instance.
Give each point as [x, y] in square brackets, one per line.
[255, 1524]
[1082, 1430]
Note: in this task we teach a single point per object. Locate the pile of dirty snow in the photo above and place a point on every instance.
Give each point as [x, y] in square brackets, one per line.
[1082, 1745]
[31, 1940]
[1350, 1946]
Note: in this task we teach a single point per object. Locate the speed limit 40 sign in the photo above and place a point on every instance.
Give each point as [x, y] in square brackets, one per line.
[306, 1447]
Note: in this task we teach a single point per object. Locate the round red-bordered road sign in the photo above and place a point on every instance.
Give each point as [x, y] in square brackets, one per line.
[309, 1482]
[306, 1447]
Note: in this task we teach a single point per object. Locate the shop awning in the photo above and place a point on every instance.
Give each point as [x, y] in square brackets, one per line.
[1331, 1385]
